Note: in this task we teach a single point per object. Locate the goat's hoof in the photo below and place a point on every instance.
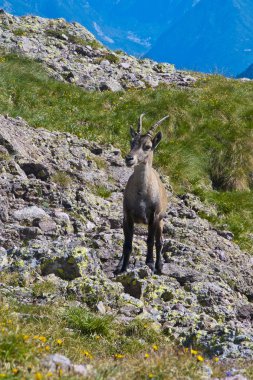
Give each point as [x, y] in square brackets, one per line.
[119, 271]
[151, 266]
[158, 269]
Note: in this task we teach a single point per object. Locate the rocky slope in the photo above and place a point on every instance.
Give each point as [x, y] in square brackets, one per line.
[61, 221]
[72, 54]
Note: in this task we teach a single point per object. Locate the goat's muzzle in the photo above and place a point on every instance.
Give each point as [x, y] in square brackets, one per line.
[129, 160]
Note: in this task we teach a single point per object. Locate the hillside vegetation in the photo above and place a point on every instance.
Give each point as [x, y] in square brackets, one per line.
[208, 140]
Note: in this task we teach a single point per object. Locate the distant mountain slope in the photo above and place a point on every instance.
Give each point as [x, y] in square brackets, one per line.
[248, 73]
[203, 35]
[212, 36]
[131, 25]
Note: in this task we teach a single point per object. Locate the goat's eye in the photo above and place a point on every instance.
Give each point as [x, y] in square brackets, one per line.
[147, 147]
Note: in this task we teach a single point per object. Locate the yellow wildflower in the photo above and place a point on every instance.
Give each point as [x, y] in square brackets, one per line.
[119, 356]
[42, 338]
[186, 349]
[97, 337]
[59, 342]
[194, 352]
[155, 347]
[150, 375]
[60, 373]
[25, 337]
[38, 376]
[87, 354]
[49, 374]
[216, 359]
[146, 356]
[15, 371]
[200, 358]
[47, 348]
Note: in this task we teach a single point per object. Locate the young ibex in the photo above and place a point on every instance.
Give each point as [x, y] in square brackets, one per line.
[145, 198]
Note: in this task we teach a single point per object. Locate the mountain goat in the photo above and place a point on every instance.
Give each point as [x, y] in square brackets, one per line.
[145, 198]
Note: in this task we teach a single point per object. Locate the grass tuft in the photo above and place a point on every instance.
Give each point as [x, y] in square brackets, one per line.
[87, 322]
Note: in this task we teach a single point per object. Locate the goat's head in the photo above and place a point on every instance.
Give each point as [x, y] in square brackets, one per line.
[142, 146]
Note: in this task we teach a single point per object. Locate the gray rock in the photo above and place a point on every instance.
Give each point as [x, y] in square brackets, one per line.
[29, 213]
[3, 258]
[81, 370]
[47, 225]
[111, 85]
[56, 361]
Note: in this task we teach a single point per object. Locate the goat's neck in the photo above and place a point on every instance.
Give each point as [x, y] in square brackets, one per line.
[142, 174]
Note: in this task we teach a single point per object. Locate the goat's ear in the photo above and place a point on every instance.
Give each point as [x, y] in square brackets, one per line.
[156, 140]
[132, 132]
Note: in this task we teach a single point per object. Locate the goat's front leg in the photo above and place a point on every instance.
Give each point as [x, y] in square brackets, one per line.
[128, 228]
[150, 244]
[159, 246]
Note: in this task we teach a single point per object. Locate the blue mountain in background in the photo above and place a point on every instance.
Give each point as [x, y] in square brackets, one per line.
[212, 36]
[203, 35]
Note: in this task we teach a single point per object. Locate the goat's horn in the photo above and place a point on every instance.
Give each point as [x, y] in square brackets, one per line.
[140, 124]
[150, 132]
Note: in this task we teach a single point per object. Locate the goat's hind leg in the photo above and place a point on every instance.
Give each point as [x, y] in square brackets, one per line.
[159, 246]
[128, 228]
[150, 245]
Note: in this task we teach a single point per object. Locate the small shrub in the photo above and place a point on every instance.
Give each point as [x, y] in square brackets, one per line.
[62, 179]
[45, 287]
[87, 322]
[143, 330]
[112, 58]
[120, 52]
[76, 40]
[55, 33]
[11, 278]
[102, 191]
[19, 32]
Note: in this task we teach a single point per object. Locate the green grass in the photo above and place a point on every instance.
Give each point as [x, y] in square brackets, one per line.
[135, 351]
[58, 33]
[42, 288]
[88, 323]
[208, 140]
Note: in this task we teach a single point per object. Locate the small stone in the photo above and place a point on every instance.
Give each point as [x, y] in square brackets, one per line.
[55, 361]
[29, 213]
[62, 216]
[101, 308]
[226, 234]
[28, 233]
[47, 225]
[3, 258]
[111, 85]
[82, 370]
[125, 65]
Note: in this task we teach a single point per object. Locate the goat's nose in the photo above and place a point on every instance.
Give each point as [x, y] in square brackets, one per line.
[129, 158]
